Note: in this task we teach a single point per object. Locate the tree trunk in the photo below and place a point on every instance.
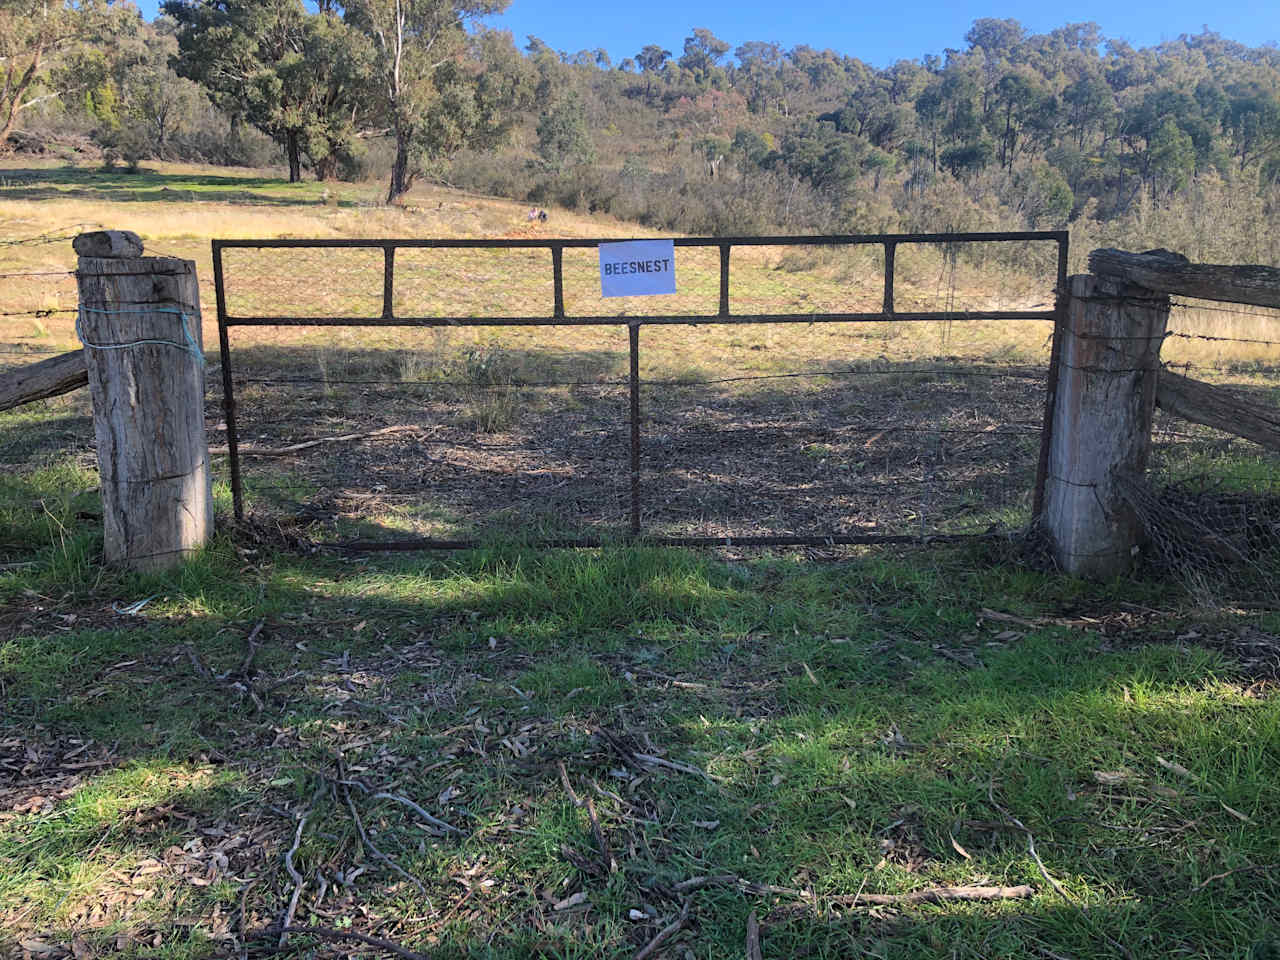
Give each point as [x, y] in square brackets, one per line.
[400, 168]
[326, 168]
[11, 117]
[141, 328]
[294, 153]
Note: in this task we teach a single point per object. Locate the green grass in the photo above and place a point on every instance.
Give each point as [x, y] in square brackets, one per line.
[847, 753]
[865, 724]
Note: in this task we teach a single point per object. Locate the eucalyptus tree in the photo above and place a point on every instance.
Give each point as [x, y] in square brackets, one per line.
[299, 77]
[38, 44]
[426, 78]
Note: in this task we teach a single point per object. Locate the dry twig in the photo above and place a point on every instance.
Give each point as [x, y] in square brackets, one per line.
[1218, 876]
[665, 934]
[568, 787]
[364, 836]
[328, 933]
[252, 451]
[939, 895]
[1031, 844]
[753, 938]
[297, 880]
[605, 853]
[434, 821]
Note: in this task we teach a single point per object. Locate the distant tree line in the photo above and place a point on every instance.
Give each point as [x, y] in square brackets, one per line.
[1038, 129]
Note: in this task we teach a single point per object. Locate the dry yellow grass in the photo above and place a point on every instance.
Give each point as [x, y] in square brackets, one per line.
[177, 209]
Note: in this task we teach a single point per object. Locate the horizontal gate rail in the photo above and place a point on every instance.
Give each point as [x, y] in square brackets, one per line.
[558, 317]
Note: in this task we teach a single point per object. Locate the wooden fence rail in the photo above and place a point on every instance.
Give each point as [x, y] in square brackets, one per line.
[1110, 381]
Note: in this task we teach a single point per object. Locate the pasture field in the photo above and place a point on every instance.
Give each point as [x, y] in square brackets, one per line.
[512, 753]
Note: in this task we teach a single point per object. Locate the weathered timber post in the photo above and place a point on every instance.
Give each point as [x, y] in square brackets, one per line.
[1109, 366]
[140, 325]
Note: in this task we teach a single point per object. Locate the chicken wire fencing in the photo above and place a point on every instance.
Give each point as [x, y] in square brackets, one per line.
[410, 394]
[1209, 502]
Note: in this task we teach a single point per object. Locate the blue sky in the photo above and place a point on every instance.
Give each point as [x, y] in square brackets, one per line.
[878, 33]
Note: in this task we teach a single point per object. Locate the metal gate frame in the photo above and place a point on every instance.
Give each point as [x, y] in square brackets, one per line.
[724, 315]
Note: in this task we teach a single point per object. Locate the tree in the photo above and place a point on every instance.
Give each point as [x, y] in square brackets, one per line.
[651, 60]
[1253, 120]
[420, 63]
[563, 139]
[154, 104]
[297, 77]
[35, 36]
[702, 52]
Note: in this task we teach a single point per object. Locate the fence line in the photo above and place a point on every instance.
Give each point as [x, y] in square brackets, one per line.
[558, 317]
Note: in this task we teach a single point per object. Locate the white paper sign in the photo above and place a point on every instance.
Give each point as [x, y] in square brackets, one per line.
[637, 268]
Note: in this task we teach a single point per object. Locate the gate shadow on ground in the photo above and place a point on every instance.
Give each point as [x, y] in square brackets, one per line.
[870, 769]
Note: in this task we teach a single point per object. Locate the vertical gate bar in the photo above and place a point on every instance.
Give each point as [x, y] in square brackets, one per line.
[724, 279]
[633, 331]
[228, 388]
[557, 277]
[890, 255]
[388, 280]
[1051, 379]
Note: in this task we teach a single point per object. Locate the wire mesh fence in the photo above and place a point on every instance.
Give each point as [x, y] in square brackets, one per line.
[910, 426]
[1210, 502]
[836, 420]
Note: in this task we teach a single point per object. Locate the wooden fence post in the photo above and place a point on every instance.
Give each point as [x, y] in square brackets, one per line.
[140, 325]
[1109, 366]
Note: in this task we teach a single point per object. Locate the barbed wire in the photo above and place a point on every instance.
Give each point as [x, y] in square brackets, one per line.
[1212, 337]
[44, 238]
[37, 313]
[37, 273]
[1235, 310]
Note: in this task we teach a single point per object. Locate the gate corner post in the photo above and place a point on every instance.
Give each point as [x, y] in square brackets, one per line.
[139, 321]
[1100, 431]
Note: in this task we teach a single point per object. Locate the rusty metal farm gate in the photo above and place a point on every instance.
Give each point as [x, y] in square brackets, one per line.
[789, 399]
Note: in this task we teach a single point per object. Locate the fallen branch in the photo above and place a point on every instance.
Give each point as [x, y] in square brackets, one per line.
[1216, 407]
[434, 821]
[251, 451]
[328, 933]
[364, 836]
[298, 882]
[665, 934]
[939, 895]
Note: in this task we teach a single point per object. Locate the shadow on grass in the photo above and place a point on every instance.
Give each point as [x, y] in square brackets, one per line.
[151, 186]
[852, 755]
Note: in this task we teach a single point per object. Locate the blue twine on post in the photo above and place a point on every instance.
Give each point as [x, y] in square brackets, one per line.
[190, 346]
